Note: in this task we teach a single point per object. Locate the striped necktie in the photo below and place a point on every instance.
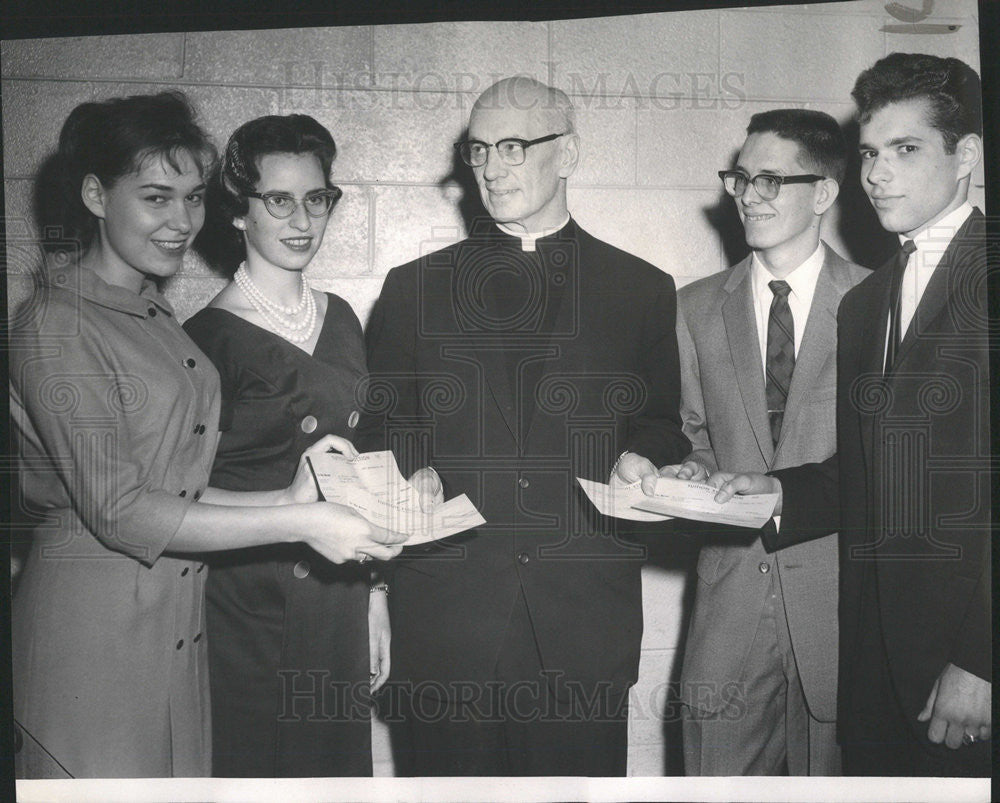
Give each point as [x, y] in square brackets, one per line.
[780, 355]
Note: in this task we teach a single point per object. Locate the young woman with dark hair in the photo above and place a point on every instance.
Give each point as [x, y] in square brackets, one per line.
[289, 657]
[115, 414]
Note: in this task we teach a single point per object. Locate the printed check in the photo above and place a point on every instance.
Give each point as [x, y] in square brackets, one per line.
[372, 485]
[696, 501]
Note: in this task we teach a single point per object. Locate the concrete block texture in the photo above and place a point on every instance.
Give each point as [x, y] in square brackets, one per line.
[669, 228]
[687, 146]
[413, 221]
[33, 113]
[143, 56]
[386, 136]
[607, 143]
[458, 56]
[661, 55]
[314, 57]
[188, 294]
[820, 56]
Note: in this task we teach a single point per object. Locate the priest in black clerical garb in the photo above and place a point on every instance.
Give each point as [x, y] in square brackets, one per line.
[504, 367]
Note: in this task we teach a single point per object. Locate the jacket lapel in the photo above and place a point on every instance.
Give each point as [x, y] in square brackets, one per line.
[820, 331]
[946, 276]
[744, 348]
[871, 345]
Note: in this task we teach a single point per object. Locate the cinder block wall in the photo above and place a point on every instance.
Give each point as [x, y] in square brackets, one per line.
[663, 101]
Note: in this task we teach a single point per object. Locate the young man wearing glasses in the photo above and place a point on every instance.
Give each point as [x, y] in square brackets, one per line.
[909, 487]
[757, 345]
[513, 362]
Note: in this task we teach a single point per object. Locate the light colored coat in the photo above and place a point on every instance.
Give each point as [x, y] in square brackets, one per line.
[725, 416]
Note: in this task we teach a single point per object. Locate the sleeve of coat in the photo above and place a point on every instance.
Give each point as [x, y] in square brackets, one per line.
[810, 501]
[69, 403]
[393, 399]
[693, 417]
[655, 432]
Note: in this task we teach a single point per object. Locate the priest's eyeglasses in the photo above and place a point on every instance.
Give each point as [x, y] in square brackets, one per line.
[767, 185]
[282, 205]
[474, 152]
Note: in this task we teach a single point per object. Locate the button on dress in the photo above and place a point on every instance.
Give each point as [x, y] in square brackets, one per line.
[287, 630]
[109, 677]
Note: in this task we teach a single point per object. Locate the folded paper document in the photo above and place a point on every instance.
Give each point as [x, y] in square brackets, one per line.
[696, 500]
[372, 485]
[618, 501]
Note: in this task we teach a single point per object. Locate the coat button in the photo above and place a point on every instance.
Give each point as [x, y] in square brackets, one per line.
[523, 482]
[197, 638]
[309, 424]
[180, 644]
[152, 312]
[199, 569]
[190, 363]
[764, 567]
[301, 569]
[184, 571]
[352, 419]
[199, 429]
[523, 558]
[197, 496]
[183, 494]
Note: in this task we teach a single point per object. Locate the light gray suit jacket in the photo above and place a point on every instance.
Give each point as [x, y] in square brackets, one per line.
[725, 416]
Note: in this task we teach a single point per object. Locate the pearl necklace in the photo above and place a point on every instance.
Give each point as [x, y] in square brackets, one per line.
[276, 316]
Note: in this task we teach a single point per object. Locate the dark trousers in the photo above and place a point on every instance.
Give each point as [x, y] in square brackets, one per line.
[878, 736]
[524, 722]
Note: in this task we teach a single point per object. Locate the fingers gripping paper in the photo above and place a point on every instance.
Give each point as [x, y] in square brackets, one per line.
[372, 486]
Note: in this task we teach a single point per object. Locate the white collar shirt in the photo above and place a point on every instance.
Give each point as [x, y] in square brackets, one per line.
[802, 281]
[528, 240]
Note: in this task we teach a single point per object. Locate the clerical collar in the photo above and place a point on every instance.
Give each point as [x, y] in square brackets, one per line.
[528, 240]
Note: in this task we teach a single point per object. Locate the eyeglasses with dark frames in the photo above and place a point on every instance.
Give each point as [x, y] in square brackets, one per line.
[767, 185]
[475, 152]
[282, 205]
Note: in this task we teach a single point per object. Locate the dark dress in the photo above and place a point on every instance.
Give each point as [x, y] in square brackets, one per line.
[287, 630]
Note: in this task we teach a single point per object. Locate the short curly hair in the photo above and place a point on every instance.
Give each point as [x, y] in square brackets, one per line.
[951, 86]
[238, 173]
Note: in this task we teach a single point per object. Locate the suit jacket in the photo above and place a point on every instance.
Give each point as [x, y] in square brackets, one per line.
[909, 487]
[724, 410]
[512, 373]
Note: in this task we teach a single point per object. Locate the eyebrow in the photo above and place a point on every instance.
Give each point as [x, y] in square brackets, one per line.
[167, 187]
[904, 140]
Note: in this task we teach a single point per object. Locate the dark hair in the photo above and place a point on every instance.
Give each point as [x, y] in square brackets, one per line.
[111, 139]
[238, 173]
[951, 86]
[818, 135]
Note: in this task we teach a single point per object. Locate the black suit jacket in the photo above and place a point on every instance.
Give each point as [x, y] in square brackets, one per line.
[512, 373]
[909, 487]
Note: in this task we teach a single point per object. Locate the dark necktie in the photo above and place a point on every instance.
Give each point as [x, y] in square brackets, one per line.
[895, 286]
[780, 355]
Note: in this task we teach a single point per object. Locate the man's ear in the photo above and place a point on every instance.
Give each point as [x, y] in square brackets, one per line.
[826, 193]
[970, 150]
[93, 195]
[570, 155]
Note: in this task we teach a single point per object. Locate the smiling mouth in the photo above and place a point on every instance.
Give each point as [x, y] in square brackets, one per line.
[171, 246]
[298, 243]
[756, 218]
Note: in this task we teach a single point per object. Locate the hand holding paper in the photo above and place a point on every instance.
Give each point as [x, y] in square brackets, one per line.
[700, 502]
[372, 485]
[748, 484]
